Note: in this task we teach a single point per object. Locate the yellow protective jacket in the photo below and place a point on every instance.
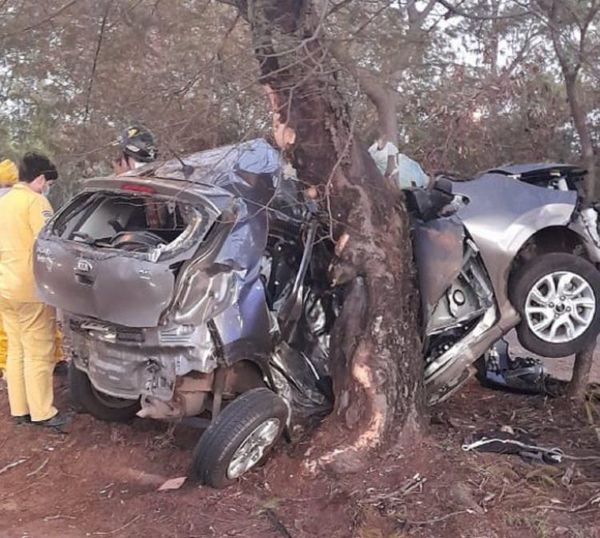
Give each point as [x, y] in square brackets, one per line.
[23, 213]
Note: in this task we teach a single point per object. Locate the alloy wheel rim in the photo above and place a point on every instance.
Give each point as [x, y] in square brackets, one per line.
[253, 448]
[560, 307]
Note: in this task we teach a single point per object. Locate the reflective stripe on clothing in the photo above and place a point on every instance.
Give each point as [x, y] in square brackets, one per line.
[23, 213]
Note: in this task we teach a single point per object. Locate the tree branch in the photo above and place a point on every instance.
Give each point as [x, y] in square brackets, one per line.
[95, 62]
[43, 21]
[383, 98]
[416, 17]
[457, 11]
[338, 6]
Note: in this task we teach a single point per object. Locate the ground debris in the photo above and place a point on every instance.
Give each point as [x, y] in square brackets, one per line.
[276, 522]
[173, 483]
[374, 496]
[410, 493]
[434, 520]
[594, 500]
[58, 516]
[38, 469]
[12, 465]
[567, 478]
[463, 495]
[119, 529]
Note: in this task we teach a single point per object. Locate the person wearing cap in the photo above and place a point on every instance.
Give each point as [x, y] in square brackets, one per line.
[9, 175]
[29, 323]
[138, 147]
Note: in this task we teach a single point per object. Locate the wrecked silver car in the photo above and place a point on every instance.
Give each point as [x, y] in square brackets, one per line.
[184, 291]
[198, 288]
[519, 250]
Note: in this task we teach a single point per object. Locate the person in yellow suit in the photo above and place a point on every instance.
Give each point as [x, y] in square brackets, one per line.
[9, 175]
[29, 323]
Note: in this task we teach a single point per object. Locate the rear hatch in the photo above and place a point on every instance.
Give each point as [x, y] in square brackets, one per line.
[114, 252]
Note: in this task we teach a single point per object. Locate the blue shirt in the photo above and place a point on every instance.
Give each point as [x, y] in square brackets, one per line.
[409, 173]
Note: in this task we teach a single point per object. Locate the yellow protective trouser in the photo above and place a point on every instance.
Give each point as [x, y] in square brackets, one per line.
[3, 347]
[30, 329]
[58, 355]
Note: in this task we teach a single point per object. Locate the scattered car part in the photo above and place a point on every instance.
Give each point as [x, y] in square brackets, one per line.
[506, 443]
[524, 375]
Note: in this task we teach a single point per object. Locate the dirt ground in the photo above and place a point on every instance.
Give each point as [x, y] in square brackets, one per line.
[103, 479]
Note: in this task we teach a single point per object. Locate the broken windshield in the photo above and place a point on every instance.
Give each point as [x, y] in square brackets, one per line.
[135, 223]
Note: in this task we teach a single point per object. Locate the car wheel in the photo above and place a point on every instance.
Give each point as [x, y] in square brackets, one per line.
[557, 297]
[96, 403]
[239, 438]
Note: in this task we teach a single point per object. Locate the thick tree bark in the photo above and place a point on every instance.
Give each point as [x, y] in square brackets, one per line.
[375, 350]
[581, 373]
[386, 104]
[580, 121]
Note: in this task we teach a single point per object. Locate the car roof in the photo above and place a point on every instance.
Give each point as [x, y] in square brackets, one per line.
[535, 169]
[214, 166]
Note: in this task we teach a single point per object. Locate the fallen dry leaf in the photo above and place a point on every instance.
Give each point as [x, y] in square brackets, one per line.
[173, 483]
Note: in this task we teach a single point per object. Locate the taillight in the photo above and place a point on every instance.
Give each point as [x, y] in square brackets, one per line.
[137, 188]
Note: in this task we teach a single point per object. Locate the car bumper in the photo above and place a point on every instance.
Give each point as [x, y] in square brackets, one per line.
[127, 363]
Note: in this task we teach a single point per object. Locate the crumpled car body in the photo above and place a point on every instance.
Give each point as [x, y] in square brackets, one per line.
[504, 219]
[158, 275]
[199, 287]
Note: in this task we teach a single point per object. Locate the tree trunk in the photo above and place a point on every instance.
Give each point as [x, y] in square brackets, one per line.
[581, 373]
[375, 351]
[581, 126]
[384, 98]
[386, 104]
[571, 67]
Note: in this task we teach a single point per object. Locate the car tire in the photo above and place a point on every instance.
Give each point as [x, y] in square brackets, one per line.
[535, 292]
[97, 404]
[250, 425]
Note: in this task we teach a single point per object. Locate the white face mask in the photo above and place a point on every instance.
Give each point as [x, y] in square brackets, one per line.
[46, 189]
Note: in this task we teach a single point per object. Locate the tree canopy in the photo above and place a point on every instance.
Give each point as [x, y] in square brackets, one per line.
[470, 91]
